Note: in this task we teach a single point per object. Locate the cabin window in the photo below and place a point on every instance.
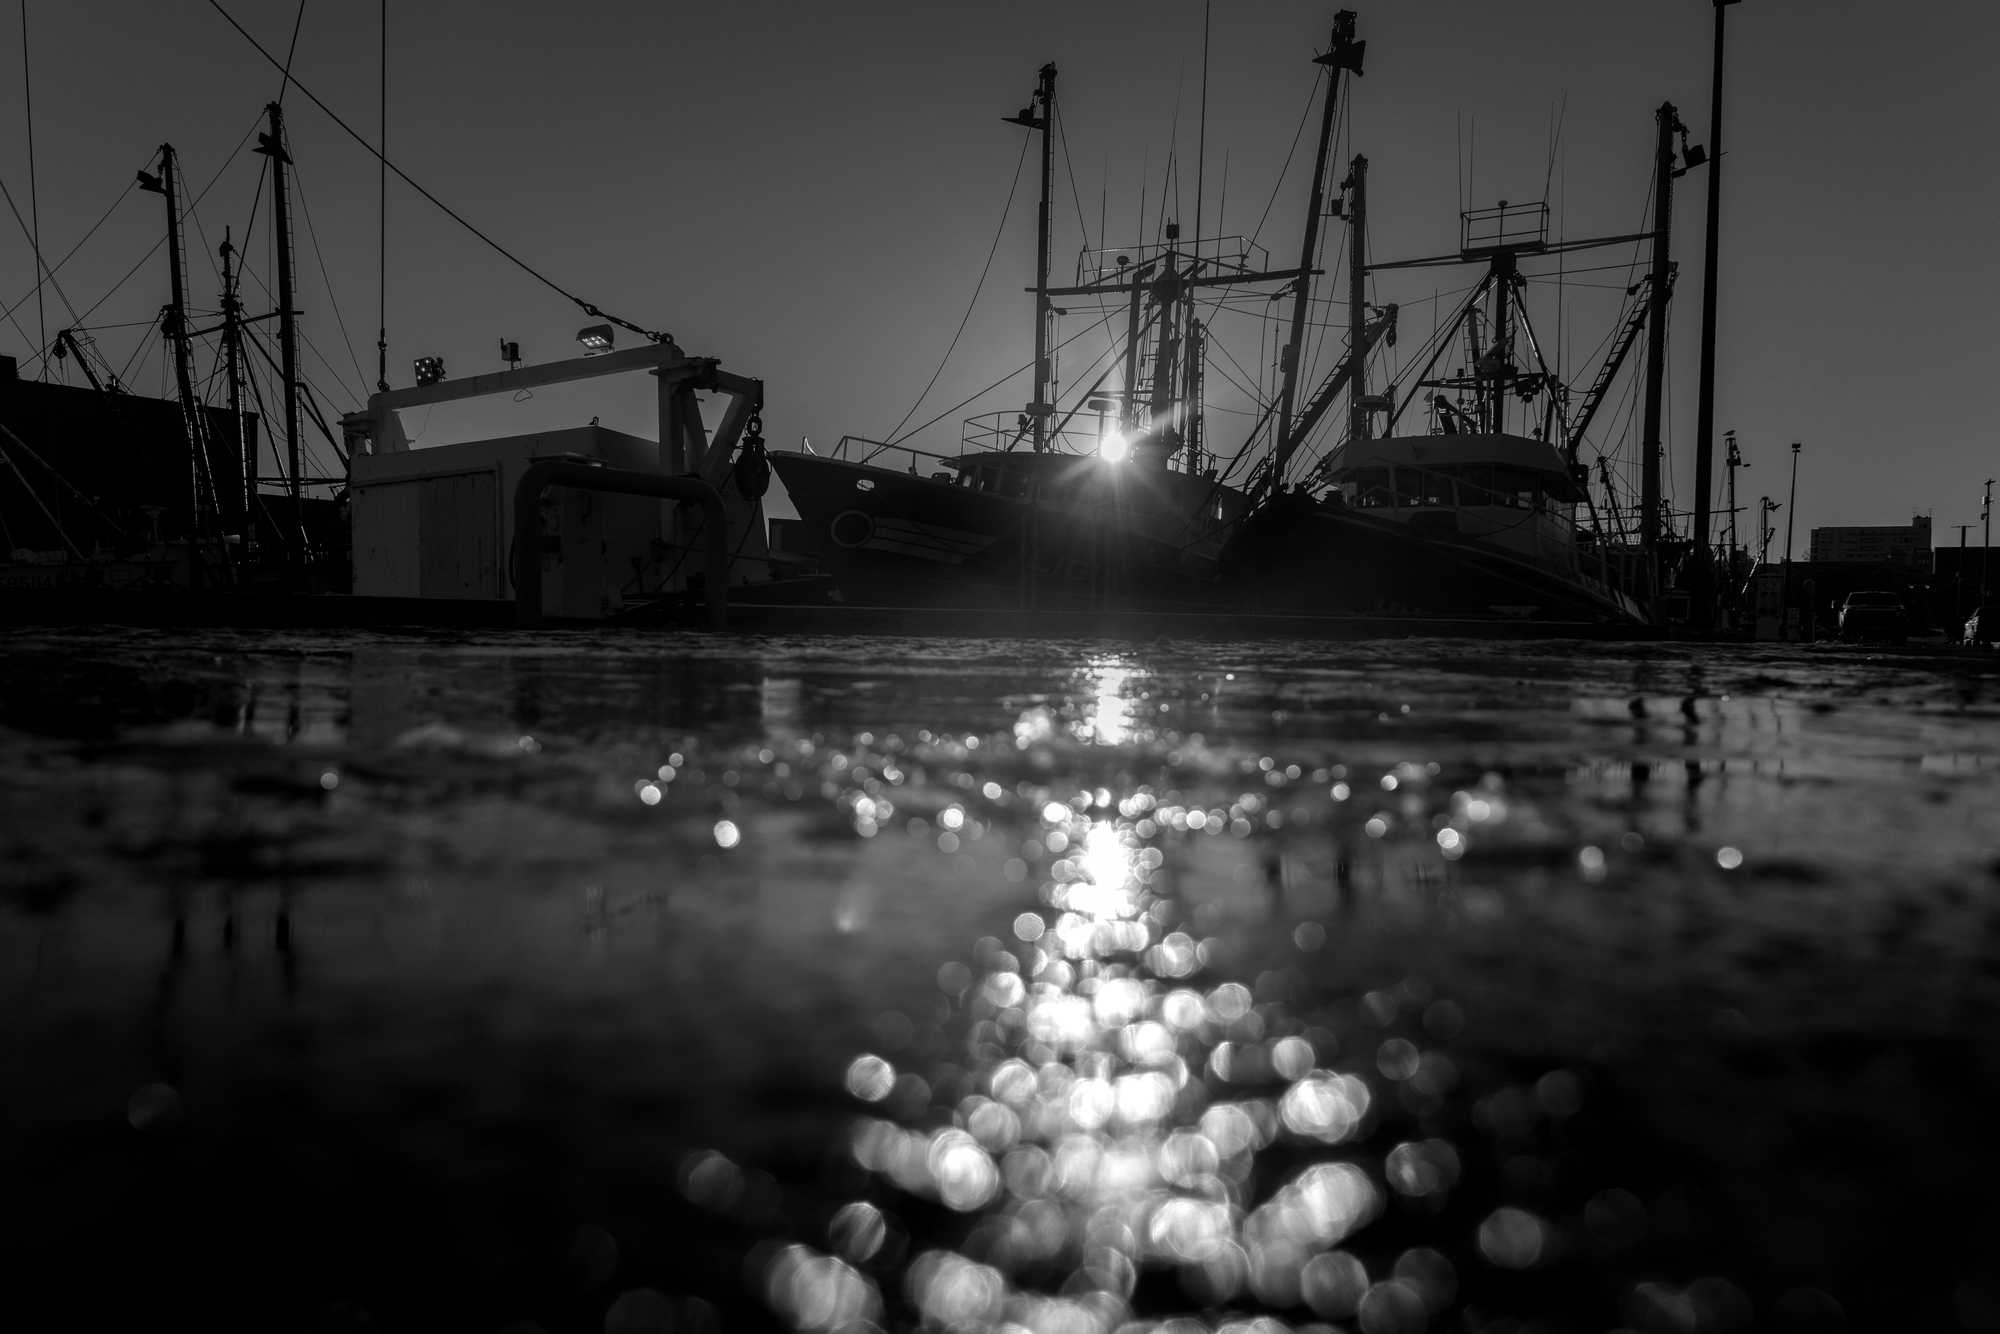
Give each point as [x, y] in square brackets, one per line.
[1372, 488]
[1517, 486]
[1475, 486]
[1435, 487]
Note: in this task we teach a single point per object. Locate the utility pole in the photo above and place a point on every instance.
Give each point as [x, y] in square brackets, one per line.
[1791, 512]
[1958, 576]
[1343, 52]
[1986, 542]
[272, 145]
[1041, 409]
[1704, 446]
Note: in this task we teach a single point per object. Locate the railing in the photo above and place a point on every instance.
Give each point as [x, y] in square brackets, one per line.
[1505, 227]
[1236, 254]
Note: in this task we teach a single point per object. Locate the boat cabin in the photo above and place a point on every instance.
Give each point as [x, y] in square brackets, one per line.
[1507, 490]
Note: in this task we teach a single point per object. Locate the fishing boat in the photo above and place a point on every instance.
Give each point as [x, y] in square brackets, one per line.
[1483, 514]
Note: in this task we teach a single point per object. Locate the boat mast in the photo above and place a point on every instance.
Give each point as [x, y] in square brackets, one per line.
[1704, 446]
[1357, 311]
[1041, 408]
[1343, 53]
[232, 352]
[1656, 325]
[272, 145]
[174, 324]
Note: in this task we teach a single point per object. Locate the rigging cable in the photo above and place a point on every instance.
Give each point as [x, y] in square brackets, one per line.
[382, 219]
[319, 256]
[978, 287]
[130, 186]
[154, 249]
[519, 263]
[35, 243]
[1018, 370]
[34, 198]
[1069, 165]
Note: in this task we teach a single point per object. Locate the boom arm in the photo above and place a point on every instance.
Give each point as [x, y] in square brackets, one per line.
[1384, 324]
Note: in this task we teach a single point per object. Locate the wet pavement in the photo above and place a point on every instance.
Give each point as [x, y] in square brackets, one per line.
[645, 982]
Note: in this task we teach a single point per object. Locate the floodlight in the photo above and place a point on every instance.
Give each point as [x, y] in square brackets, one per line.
[596, 338]
[429, 370]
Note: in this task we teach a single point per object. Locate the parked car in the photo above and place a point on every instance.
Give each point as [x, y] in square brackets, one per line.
[1983, 626]
[1876, 614]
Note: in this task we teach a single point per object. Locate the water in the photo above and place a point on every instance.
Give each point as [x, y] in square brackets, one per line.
[648, 982]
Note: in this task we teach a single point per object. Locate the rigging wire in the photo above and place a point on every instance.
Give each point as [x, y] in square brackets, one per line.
[34, 195]
[130, 185]
[1069, 165]
[319, 256]
[1018, 370]
[1291, 152]
[33, 238]
[519, 263]
[382, 219]
[155, 248]
[978, 287]
[298, 21]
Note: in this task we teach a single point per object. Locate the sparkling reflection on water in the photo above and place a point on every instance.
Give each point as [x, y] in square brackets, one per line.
[649, 982]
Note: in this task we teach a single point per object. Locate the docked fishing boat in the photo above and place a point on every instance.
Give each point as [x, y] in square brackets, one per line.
[1118, 527]
[1113, 503]
[1481, 514]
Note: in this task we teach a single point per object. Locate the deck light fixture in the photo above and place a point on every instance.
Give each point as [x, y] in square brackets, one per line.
[429, 370]
[1114, 447]
[595, 338]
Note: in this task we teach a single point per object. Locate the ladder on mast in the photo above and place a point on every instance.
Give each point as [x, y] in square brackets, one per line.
[1594, 397]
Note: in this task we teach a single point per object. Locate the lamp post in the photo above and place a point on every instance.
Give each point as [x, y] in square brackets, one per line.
[1958, 577]
[1986, 542]
[1791, 509]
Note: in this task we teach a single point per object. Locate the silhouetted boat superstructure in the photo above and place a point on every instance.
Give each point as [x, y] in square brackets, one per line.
[1487, 516]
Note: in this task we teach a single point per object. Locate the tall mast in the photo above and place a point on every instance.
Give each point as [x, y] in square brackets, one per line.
[1040, 410]
[1343, 53]
[1357, 271]
[232, 351]
[1197, 353]
[174, 323]
[1656, 326]
[272, 145]
[1704, 446]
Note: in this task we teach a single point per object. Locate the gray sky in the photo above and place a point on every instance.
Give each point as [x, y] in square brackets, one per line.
[808, 191]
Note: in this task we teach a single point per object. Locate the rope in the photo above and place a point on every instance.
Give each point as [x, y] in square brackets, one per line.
[976, 290]
[506, 254]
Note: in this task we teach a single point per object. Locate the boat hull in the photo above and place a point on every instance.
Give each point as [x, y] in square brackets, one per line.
[1300, 556]
[906, 540]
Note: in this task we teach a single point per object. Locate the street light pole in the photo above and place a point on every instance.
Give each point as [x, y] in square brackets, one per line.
[1986, 550]
[1958, 577]
[1791, 509]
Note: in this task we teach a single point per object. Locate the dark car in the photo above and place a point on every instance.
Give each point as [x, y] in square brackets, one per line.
[1874, 615]
[1983, 626]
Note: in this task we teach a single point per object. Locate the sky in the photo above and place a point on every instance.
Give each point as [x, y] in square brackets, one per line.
[809, 192]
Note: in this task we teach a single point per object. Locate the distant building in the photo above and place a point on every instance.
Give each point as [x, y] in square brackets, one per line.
[1908, 546]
